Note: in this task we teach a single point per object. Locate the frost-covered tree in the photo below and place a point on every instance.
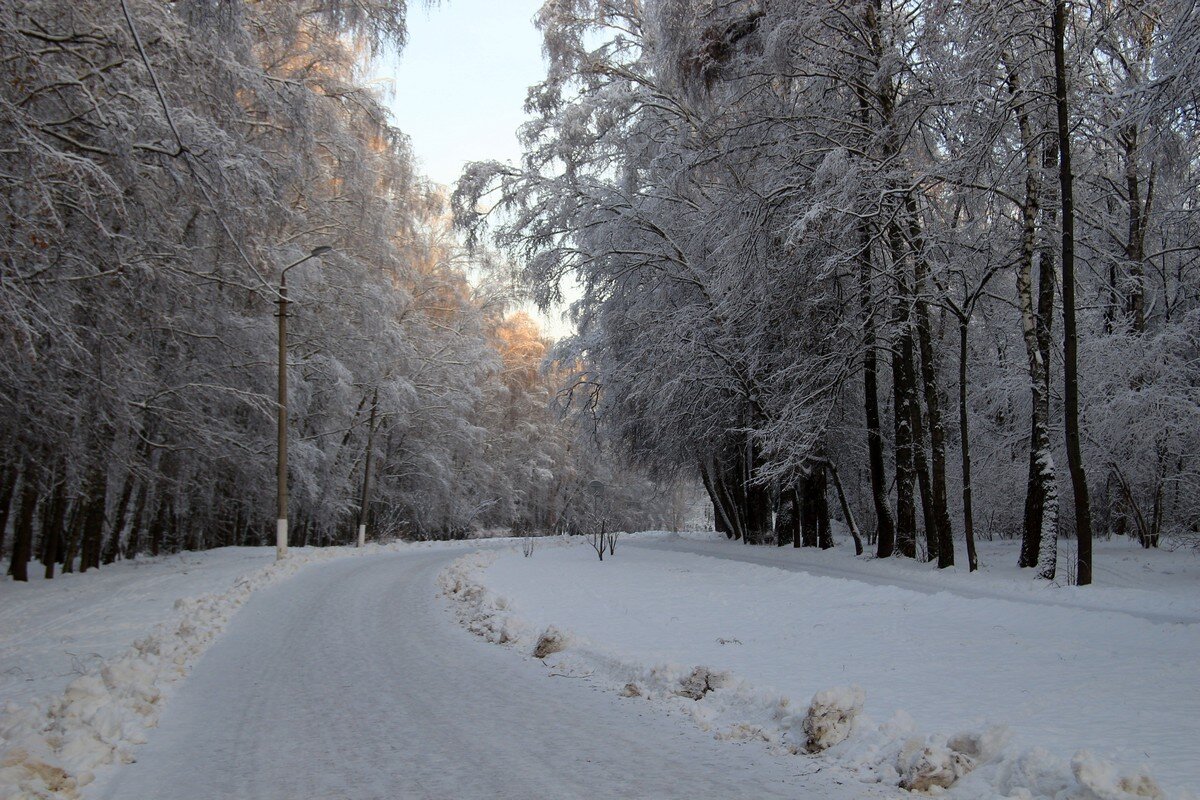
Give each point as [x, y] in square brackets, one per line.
[162, 164]
[796, 225]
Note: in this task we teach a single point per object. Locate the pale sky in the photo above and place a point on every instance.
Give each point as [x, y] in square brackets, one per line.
[460, 83]
[458, 89]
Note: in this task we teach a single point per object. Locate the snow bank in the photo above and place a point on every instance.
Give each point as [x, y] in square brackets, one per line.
[52, 748]
[976, 763]
[53, 631]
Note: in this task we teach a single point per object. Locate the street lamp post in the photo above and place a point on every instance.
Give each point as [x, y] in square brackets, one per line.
[281, 512]
[364, 502]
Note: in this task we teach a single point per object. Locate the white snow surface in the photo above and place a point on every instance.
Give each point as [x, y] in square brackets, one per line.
[352, 681]
[52, 632]
[997, 684]
[87, 659]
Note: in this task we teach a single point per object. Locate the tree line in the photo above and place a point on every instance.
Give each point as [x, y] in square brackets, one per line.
[916, 256]
[161, 163]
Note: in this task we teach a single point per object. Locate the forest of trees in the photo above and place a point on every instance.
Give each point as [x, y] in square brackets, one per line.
[930, 267]
[160, 164]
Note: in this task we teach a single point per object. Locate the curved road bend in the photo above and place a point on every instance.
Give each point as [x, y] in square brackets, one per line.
[353, 680]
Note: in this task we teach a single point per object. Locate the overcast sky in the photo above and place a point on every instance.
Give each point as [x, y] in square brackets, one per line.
[460, 83]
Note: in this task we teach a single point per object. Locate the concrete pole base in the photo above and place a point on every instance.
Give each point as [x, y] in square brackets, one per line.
[281, 536]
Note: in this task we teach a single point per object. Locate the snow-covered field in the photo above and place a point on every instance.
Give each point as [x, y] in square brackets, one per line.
[1062, 692]
[52, 632]
[87, 660]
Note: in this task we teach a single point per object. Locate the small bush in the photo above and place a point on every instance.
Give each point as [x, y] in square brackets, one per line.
[831, 716]
[551, 641]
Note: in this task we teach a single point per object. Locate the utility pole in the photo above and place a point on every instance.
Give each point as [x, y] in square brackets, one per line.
[366, 487]
[281, 510]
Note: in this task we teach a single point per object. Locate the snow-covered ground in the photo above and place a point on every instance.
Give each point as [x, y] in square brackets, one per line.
[52, 632]
[86, 661]
[993, 677]
[1158, 585]
[1065, 692]
[352, 682]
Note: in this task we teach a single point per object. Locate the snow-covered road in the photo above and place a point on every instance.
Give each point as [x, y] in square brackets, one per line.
[352, 680]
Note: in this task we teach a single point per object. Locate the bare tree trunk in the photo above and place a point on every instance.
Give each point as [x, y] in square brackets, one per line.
[95, 492]
[921, 466]
[937, 523]
[905, 412]
[112, 544]
[756, 497]
[8, 487]
[1135, 248]
[820, 490]
[158, 526]
[909, 436]
[964, 430]
[758, 513]
[903, 402]
[809, 511]
[1039, 541]
[1083, 510]
[887, 528]
[1040, 449]
[137, 521]
[846, 512]
[797, 536]
[52, 526]
[18, 566]
[74, 534]
[725, 503]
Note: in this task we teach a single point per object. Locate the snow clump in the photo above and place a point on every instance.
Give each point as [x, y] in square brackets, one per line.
[1100, 778]
[932, 765]
[831, 716]
[551, 641]
[701, 681]
[480, 610]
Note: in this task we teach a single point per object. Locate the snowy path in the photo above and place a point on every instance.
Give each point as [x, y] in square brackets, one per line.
[352, 680]
[927, 581]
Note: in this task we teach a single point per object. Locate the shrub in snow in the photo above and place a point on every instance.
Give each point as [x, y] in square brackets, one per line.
[1100, 781]
[922, 768]
[701, 681]
[1031, 772]
[25, 774]
[631, 690]
[831, 716]
[980, 745]
[551, 641]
